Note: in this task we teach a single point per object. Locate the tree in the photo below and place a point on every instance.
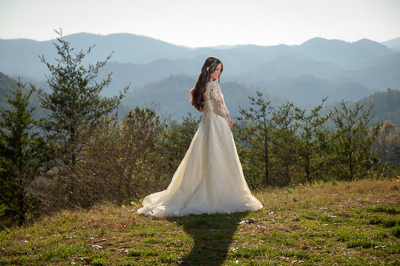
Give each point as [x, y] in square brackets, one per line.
[386, 140]
[23, 156]
[176, 139]
[394, 155]
[285, 144]
[120, 162]
[351, 141]
[312, 139]
[253, 140]
[76, 106]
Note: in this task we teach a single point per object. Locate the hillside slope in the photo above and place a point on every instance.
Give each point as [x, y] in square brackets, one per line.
[354, 223]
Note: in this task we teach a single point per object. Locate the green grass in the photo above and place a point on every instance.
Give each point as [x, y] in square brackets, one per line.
[354, 223]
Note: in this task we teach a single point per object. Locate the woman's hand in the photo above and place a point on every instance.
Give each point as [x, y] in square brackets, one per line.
[230, 123]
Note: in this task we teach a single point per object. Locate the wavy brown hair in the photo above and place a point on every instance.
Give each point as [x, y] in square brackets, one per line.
[197, 92]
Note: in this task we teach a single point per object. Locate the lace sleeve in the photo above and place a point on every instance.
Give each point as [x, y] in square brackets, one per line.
[219, 99]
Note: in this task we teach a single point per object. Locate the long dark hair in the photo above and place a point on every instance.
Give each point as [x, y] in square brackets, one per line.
[197, 92]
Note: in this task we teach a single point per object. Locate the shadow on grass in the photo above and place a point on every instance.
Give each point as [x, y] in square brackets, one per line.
[212, 235]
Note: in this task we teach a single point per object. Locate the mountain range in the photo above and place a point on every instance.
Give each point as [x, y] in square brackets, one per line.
[302, 73]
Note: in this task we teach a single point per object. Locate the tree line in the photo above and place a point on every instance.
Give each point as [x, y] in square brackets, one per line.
[82, 152]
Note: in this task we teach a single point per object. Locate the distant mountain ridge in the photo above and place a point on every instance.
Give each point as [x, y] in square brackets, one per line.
[20, 56]
[344, 54]
[366, 66]
[393, 44]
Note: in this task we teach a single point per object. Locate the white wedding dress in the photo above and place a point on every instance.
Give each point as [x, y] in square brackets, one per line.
[210, 177]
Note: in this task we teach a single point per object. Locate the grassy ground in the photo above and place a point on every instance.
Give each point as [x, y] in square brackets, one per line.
[354, 223]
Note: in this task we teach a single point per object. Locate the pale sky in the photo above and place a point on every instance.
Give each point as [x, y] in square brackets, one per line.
[200, 23]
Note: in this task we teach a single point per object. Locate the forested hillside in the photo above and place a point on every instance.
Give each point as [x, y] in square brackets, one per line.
[6, 84]
[172, 94]
[386, 106]
[9, 85]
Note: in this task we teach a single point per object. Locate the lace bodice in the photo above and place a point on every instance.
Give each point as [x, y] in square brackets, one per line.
[214, 101]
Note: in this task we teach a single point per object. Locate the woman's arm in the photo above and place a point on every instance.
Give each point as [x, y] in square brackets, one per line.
[219, 99]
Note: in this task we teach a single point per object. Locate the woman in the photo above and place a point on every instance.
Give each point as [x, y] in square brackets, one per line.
[210, 177]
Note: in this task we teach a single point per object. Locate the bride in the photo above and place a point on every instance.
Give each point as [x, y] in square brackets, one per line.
[210, 177]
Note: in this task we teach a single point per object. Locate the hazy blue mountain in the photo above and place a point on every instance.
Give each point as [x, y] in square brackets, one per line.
[380, 77]
[21, 56]
[305, 91]
[308, 90]
[127, 47]
[8, 85]
[380, 61]
[140, 74]
[393, 44]
[283, 67]
[247, 54]
[316, 68]
[266, 53]
[172, 94]
[344, 54]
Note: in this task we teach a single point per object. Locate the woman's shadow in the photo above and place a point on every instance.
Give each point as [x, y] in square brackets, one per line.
[212, 235]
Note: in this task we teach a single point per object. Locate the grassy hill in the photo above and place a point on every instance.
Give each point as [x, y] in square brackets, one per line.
[354, 223]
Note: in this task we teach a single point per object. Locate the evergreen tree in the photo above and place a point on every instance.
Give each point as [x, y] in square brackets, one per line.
[312, 140]
[351, 141]
[76, 106]
[285, 145]
[253, 139]
[177, 137]
[22, 158]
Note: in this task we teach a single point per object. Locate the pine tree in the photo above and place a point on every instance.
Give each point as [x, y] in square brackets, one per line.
[177, 137]
[76, 106]
[253, 139]
[351, 141]
[312, 140]
[285, 145]
[23, 155]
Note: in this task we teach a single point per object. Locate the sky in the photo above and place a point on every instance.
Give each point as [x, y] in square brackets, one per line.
[205, 23]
